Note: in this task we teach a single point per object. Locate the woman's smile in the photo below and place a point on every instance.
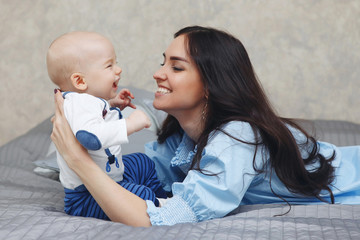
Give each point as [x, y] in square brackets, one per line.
[163, 90]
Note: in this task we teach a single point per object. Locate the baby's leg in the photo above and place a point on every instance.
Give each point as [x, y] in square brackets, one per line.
[139, 178]
[79, 202]
[140, 169]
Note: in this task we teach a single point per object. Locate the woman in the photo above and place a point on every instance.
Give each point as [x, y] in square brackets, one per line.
[222, 145]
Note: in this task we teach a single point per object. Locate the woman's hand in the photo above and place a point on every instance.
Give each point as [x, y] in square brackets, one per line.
[119, 204]
[62, 136]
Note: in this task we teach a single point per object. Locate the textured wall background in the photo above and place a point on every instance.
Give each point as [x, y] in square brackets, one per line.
[306, 53]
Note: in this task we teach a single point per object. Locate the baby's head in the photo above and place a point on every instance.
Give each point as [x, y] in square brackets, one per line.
[84, 62]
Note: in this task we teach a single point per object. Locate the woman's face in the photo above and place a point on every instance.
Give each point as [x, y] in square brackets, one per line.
[180, 88]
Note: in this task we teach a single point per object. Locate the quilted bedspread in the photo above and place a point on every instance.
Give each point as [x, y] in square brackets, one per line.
[31, 205]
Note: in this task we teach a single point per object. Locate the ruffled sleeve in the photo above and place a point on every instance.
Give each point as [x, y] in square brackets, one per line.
[176, 210]
[205, 196]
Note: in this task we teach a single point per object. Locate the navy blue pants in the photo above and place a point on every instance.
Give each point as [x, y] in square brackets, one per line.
[139, 178]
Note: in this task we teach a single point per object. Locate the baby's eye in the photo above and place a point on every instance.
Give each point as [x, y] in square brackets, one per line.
[109, 66]
[162, 64]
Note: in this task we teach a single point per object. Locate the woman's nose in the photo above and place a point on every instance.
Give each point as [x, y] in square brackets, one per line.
[159, 74]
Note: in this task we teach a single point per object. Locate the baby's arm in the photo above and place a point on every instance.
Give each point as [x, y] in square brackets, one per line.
[122, 100]
[137, 121]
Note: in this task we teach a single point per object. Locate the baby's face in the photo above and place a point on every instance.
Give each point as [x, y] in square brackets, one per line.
[102, 74]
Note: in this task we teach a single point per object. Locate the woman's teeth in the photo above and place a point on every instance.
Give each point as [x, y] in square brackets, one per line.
[163, 90]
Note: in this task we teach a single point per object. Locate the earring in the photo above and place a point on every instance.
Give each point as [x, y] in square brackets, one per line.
[204, 111]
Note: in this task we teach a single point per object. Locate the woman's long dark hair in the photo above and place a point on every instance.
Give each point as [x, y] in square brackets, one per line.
[235, 94]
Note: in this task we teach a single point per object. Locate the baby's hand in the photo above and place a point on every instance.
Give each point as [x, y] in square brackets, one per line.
[122, 100]
[137, 121]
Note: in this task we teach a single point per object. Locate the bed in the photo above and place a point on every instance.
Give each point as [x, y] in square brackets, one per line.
[31, 197]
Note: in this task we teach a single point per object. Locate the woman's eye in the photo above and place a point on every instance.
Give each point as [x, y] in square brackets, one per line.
[162, 64]
[177, 68]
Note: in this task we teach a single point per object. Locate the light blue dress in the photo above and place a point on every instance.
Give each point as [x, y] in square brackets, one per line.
[198, 197]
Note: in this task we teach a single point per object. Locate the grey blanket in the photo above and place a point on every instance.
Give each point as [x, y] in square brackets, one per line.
[31, 205]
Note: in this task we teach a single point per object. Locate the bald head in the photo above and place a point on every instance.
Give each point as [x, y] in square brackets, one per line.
[68, 54]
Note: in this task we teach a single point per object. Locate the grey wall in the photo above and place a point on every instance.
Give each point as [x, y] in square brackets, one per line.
[306, 53]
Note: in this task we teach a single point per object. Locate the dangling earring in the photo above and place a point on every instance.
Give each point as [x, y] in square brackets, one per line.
[204, 111]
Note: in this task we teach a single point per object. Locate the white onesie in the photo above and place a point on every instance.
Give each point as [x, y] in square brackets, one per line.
[100, 129]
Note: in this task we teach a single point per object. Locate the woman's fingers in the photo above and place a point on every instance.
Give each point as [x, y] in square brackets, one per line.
[61, 129]
[56, 117]
[59, 103]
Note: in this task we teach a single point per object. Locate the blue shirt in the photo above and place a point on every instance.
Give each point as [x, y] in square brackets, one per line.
[198, 197]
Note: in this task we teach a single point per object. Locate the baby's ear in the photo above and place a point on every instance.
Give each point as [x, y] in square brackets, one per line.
[78, 81]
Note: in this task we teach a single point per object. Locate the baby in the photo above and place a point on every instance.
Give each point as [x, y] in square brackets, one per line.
[83, 65]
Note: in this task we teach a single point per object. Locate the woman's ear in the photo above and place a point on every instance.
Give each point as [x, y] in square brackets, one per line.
[206, 94]
[78, 81]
